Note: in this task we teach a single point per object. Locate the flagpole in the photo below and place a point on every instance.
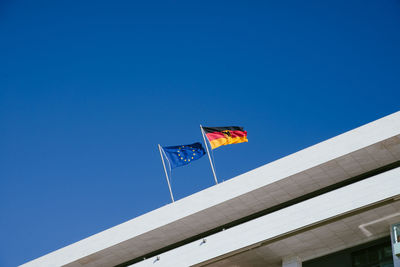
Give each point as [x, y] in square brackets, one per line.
[166, 175]
[208, 153]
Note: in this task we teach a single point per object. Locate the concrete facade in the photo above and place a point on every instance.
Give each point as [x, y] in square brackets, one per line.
[294, 218]
[293, 261]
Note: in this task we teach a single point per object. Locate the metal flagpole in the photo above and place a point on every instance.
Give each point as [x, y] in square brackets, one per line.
[166, 175]
[169, 163]
[208, 153]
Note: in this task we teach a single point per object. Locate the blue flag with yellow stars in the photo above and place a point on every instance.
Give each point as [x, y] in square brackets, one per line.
[184, 154]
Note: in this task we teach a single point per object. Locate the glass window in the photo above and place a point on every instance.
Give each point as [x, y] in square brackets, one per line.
[376, 256]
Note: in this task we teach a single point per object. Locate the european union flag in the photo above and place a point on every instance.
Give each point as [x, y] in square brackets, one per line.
[184, 154]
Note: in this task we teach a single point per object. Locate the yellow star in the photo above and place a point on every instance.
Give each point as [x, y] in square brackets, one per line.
[192, 157]
[194, 154]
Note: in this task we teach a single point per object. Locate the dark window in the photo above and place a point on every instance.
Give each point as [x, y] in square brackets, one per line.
[376, 256]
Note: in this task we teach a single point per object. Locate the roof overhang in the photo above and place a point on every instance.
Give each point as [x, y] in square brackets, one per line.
[335, 220]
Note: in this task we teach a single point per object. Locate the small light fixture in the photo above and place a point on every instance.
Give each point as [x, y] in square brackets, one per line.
[156, 259]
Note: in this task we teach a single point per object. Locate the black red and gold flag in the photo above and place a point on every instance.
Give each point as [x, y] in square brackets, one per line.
[220, 136]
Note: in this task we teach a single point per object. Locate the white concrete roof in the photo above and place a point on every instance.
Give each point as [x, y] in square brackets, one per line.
[355, 152]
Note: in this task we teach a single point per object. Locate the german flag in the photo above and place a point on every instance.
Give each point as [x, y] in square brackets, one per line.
[220, 136]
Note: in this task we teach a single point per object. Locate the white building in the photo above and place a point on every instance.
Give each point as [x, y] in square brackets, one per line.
[336, 203]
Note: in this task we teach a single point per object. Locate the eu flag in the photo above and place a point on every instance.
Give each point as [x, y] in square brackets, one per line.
[184, 154]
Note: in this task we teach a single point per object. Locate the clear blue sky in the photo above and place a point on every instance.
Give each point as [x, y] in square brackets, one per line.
[89, 88]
